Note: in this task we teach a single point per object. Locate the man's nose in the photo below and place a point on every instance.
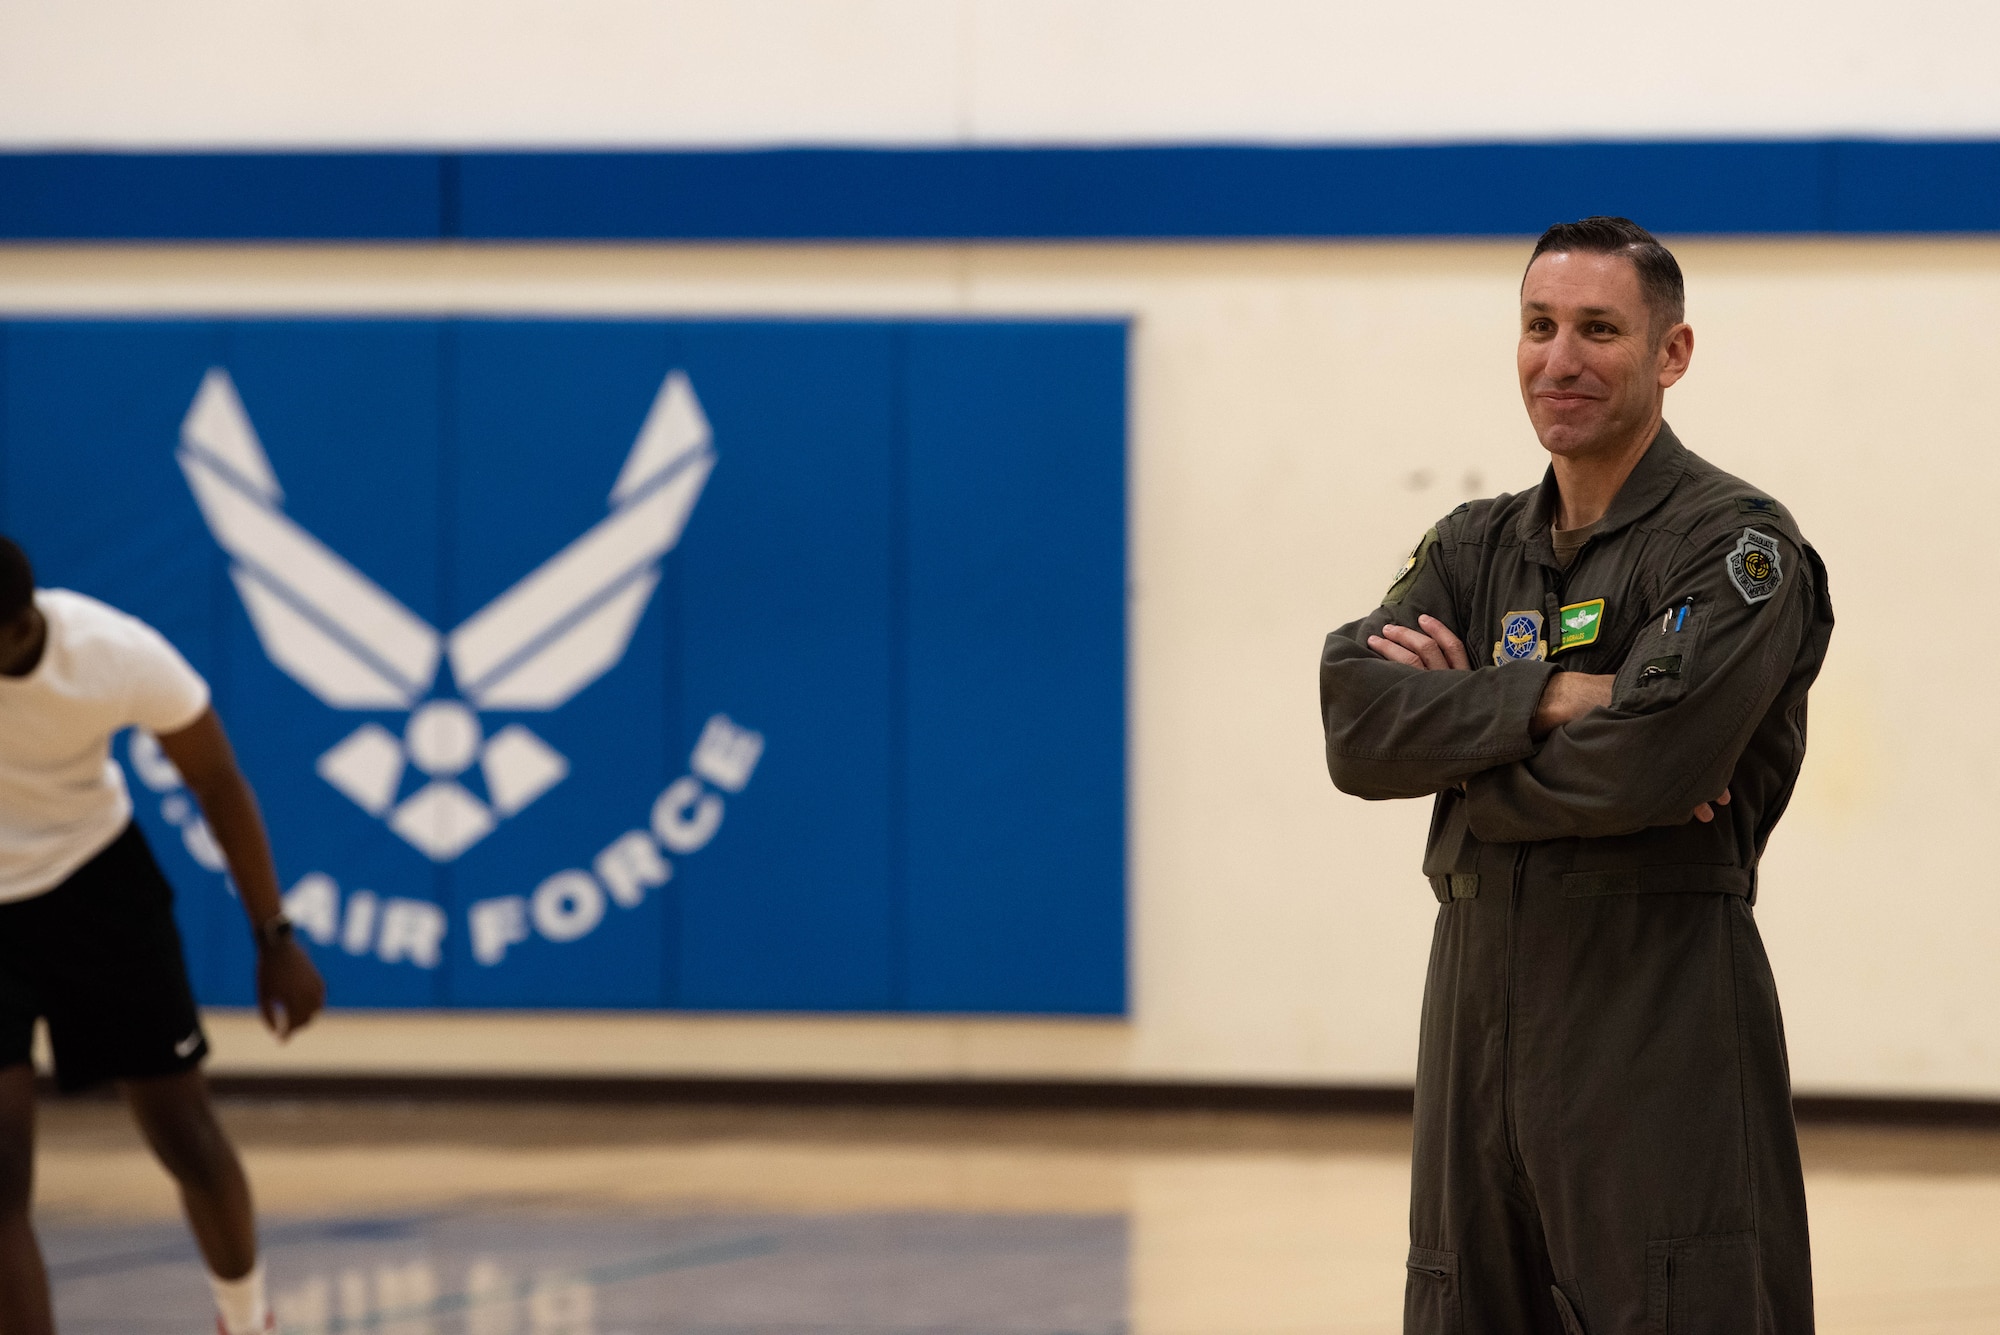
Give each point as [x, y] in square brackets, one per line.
[1565, 357]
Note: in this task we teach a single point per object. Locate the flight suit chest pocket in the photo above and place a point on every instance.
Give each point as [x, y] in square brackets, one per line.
[1430, 1297]
[1662, 662]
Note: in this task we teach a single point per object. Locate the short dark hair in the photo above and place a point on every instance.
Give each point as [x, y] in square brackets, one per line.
[17, 580]
[1659, 272]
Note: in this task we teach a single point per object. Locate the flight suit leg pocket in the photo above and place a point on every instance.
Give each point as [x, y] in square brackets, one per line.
[1703, 1285]
[1430, 1296]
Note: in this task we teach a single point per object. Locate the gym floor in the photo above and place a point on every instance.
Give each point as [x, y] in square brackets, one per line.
[552, 1219]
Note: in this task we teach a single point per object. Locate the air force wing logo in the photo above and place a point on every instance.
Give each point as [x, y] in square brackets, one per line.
[1520, 639]
[354, 646]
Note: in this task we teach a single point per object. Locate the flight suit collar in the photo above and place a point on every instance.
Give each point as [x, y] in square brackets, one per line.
[1651, 481]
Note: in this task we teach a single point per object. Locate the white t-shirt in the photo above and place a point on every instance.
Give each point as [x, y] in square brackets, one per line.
[62, 796]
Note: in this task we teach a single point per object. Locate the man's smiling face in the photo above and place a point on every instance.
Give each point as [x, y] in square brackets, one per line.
[1593, 372]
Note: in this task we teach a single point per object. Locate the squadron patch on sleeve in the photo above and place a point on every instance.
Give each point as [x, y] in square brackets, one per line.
[1520, 639]
[1413, 564]
[1754, 567]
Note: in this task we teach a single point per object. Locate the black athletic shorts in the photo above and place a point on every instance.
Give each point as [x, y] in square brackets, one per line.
[100, 959]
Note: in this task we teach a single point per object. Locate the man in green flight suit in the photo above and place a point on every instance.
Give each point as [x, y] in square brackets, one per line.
[1601, 682]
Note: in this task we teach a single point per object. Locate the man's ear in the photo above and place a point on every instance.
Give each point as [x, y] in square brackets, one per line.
[1676, 351]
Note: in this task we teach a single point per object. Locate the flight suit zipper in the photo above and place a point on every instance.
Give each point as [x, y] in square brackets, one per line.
[1517, 881]
[1553, 591]
[1552, 598]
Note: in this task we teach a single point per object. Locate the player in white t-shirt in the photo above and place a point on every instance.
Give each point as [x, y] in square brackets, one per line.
[87, 935]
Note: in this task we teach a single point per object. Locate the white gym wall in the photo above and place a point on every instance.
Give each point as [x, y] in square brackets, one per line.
[1301, 412]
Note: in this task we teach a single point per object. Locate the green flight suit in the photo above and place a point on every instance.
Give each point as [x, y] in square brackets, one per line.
[1604, 1136]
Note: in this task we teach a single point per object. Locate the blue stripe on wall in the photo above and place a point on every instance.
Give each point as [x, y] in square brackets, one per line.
[220, 196]
[1002, 193]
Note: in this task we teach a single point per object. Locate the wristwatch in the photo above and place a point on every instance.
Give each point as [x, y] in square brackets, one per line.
[273, 931]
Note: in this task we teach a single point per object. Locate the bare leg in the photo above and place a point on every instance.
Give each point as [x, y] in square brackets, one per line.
[178, 1121]
[24, 1284]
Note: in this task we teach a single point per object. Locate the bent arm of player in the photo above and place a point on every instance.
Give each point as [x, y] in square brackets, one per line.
[289, 989]
[1394, 730]
[1683, 708]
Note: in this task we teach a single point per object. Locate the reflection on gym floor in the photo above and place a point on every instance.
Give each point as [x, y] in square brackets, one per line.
[485, 1219]
[514, 1272]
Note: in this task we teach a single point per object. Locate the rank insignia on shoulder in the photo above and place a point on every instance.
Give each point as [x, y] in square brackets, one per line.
[1580, 624]
[1756, 505]
[1406, 574]
[1754, 566]
[1520, 639]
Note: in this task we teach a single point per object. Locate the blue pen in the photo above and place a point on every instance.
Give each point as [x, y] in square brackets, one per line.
[1681, 620]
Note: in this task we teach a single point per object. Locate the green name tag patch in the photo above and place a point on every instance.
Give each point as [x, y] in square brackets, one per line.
[1580, 624]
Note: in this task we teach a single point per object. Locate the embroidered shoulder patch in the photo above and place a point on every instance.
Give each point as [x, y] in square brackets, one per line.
[1580, 624]
[1756, 505]
[1413, 565]
[1754, 566]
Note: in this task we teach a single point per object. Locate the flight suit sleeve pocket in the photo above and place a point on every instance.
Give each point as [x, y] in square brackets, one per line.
[1656, 673]
[1430, 1297]
[1703, 1285]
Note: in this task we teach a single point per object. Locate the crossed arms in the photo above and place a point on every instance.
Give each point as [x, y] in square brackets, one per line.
[1541, 753]
[1567, 696]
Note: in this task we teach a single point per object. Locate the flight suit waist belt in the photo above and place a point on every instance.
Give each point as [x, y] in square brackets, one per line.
[1668, 880]
[1458, 885]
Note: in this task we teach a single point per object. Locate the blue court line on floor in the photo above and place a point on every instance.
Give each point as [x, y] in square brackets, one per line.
[619, 1272]
[1186, 191]
[178, 1252]
[182, 1249]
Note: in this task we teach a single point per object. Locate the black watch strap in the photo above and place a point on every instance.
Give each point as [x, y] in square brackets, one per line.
[273, 931]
